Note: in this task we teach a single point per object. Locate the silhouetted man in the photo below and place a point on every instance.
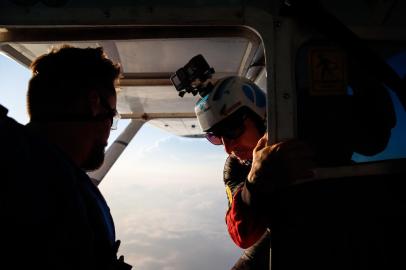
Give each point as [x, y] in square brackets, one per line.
[53, 217]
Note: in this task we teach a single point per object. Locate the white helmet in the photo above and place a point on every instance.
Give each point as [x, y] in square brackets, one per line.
[228, 95]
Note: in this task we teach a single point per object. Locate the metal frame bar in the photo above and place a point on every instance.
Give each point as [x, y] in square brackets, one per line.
[115, 150]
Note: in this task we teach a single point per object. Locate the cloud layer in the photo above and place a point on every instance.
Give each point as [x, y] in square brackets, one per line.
[168, 201]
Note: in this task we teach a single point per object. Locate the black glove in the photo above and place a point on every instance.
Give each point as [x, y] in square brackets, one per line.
[119, 264]
[276, 166]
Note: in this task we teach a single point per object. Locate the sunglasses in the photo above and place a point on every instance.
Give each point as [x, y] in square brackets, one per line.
[111, 114]
[229, 130]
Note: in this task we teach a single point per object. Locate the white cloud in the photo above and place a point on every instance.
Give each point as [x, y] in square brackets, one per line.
[173, 228]
[144, 151]
[168, 202]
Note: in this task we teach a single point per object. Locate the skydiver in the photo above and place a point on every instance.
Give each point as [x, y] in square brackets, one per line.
[233, 114]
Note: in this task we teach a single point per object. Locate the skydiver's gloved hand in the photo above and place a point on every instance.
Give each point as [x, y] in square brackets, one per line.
[276, 166]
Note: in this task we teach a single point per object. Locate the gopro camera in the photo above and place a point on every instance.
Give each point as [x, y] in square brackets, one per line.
[192, 77]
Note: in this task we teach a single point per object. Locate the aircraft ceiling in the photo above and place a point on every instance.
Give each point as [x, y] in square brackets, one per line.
[145, 90]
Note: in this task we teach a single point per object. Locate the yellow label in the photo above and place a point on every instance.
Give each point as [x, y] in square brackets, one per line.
[328, 71]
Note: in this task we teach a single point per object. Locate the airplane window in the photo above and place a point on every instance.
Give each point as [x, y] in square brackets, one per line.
[344, 112]
[396, 147]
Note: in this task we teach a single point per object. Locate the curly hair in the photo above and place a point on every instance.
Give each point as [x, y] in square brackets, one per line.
[64, 76]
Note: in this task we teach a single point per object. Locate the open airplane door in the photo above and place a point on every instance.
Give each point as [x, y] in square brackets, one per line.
[334, 76]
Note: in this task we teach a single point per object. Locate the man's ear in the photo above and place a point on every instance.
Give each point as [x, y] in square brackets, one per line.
[94, 102]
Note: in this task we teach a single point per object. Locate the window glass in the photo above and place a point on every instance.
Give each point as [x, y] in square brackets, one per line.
[397, 144]
[347, 112]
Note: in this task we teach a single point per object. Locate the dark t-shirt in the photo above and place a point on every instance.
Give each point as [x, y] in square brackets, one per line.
[52, 216]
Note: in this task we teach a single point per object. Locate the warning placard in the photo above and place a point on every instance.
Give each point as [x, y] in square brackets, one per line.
[328, 71]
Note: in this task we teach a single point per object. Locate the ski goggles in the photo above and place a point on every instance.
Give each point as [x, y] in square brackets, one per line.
[231, 129]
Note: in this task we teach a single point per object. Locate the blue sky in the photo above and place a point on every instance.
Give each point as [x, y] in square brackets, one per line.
[165, 192]
[395, 148]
